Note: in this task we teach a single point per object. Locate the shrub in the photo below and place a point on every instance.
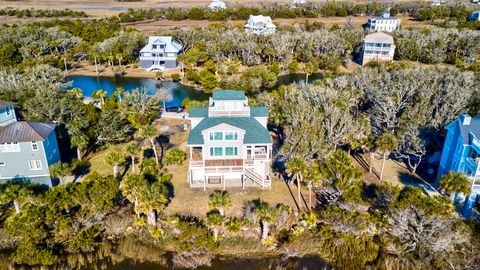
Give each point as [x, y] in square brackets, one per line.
[174, 156]
[175, 77]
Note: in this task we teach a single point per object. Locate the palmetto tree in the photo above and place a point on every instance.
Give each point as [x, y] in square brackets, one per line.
[150, 132]
[152, 199]
[454, 182]
[386, 143]
[119, 93]
[215, 221]
[60, 170]
[16, 191]
[267, 215]
[77, 93]
[314, 177]
[132, 187]
[80, 142]
[100, 94]
[297, 167]
[115, 159]
[132, 150]
[220, 200]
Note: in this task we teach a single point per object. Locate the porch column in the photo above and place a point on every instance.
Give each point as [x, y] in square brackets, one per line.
[204, 183]
[223, 180]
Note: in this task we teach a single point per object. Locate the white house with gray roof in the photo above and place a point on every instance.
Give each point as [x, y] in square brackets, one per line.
[260, 25]
[229, 143]
[160, 54]
[377, 47]
[385, 22]
[461, 153]
[217, 5]
[27, 149]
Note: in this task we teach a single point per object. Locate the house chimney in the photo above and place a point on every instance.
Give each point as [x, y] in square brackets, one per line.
[465, 119]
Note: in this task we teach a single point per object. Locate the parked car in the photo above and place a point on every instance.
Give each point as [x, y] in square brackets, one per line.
[177, 109]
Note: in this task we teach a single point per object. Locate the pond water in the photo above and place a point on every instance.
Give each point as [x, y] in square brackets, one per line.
[179, 92]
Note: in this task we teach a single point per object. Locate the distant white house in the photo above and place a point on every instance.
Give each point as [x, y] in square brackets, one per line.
[377, 47]
[384, 22]
[160, 54]
[260, 25]
[298, 2]
[217, 5]
[475, 16]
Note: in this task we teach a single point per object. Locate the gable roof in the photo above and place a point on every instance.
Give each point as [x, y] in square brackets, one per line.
[171, 46]
[25, 132]
[4, 104]
[378, 37]
[229, 95]
[254, 131]
[465, 130]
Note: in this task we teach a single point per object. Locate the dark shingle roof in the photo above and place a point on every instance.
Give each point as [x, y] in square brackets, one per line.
[25, 131]
[198, 112]
[229, 95]
[254, 131]
[259, 111]
[4, 104]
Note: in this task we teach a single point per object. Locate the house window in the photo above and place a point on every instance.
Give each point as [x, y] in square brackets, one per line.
[216, 151]
[35, 165]
[34, 146]
[9, 111]
[216, 136]
[9, 147]
[231, 151]
[2, 163]
[231, 136]
[154, 46]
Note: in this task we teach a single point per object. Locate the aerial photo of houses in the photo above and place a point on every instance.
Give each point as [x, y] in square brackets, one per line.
[240, 134]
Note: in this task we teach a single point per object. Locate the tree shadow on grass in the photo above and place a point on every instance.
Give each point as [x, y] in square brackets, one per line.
[413, 181]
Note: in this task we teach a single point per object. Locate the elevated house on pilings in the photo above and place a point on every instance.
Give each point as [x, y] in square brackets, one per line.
[229, 144]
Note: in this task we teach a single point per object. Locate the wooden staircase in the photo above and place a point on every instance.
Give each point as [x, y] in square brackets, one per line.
[251, 174]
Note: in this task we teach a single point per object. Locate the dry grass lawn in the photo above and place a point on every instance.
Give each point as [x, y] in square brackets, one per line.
[189, 201]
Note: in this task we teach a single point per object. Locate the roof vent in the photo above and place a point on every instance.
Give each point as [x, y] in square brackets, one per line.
[465, 119]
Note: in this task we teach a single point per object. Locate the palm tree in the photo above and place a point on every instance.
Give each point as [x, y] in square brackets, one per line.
[215, 221]
[101, 94]
[267, 215]
[297, 167]
[386, 143]
[15, 191]
[131, 150]
[80, 142]
[150, 132]
[454, 182]
[59, 170]
[115, 159]
[220, 200]
[77, 93]
[120, 58]
[314, 177]
[119, 93]
[152, 199]
[132, 186]
[310, 68]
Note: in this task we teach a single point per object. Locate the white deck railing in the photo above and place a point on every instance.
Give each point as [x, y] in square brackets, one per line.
[228, 113]
[224, 169]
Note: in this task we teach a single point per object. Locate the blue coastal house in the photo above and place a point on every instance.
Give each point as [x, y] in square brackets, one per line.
[461, 153]
[160, 54]
[27, 149]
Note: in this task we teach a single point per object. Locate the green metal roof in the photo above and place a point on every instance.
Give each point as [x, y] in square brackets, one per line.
[229, 95]
[258, 111]
[254, 131]
[198, 112]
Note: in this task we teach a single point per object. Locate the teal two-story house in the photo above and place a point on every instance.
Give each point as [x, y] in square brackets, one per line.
[27, 149]
[461, 153]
